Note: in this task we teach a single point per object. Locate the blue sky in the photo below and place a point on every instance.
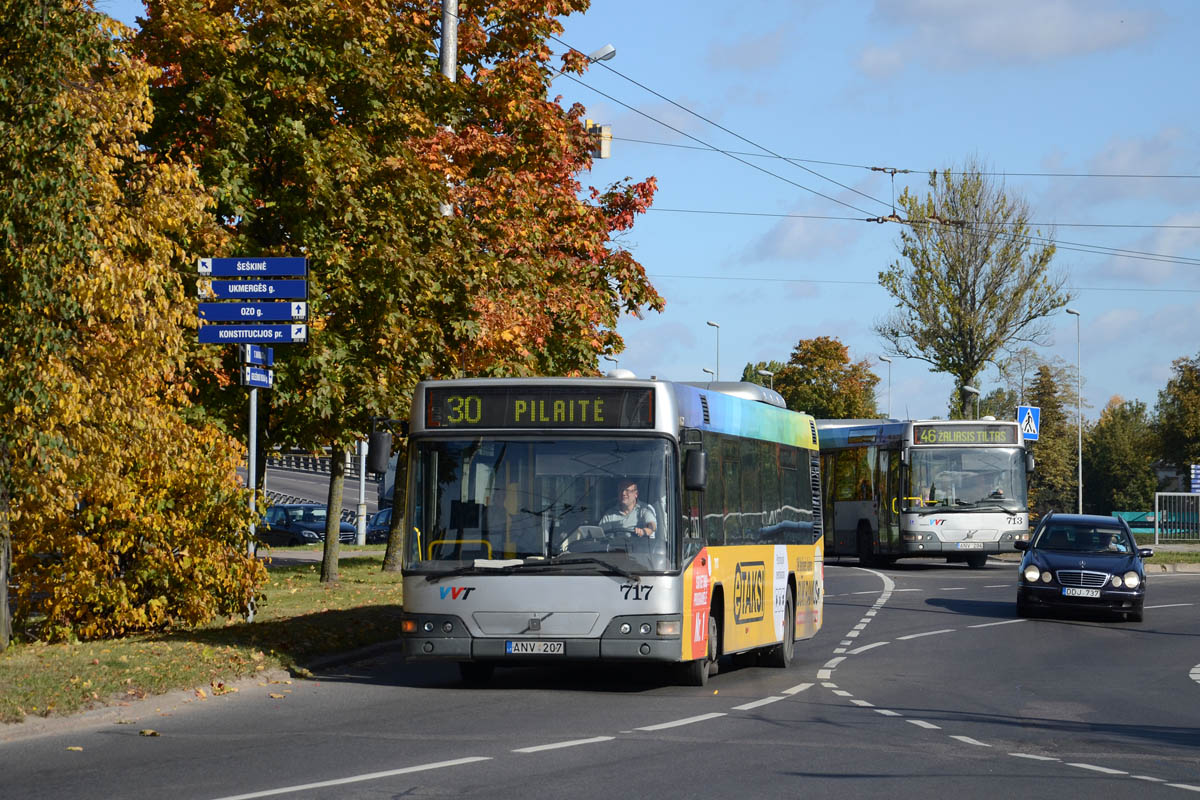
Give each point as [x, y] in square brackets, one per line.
[1028, 86]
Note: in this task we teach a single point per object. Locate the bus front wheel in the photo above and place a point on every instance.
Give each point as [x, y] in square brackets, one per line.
[695, 673]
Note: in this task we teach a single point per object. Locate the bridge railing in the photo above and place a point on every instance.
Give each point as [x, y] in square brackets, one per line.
[1176, 517]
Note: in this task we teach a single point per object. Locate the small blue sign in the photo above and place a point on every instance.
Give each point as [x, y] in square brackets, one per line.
[252, 334]
[252, 267]
[258, 377]
[1029, 420]
[281, 311]
[258, 356]
[253, 290]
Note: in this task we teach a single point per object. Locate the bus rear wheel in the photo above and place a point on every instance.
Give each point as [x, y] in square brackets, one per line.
[781, 654]
[696, 673]
[977, 560]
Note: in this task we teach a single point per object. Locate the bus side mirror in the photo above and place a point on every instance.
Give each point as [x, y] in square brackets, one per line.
[1028, 461]
[695, 471]
[379, 451]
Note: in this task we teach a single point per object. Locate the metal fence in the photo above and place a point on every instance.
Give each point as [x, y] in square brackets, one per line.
[348, 514]
[1176, 517]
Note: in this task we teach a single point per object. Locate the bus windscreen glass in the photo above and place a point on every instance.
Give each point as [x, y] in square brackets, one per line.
[539, 407]
[967, 478]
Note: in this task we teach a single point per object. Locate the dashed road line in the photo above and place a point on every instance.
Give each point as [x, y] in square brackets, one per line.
[842, 693]
[887, 712]
[1172, 605]
[559, 745]
[999, 586]
[920, 723]
[662, 726]
[1147, 778]
[866, 647]
[800, 687]
[969, 740]
[1032, 757]
[862, 703]
[1096, 768]
[370, 776]
[926, 633]
[756, 703]
[1187, 786]
[1001, 622]
[953, 589]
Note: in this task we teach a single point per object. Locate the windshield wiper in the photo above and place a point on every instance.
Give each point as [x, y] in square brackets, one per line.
[563, 560]
[509, 567]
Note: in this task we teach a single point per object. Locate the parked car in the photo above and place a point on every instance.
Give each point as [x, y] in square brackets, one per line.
[377, 526]
[291, 524]
[1082, 562]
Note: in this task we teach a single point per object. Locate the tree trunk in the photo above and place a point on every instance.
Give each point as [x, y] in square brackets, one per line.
[394, 557]
[333, 519]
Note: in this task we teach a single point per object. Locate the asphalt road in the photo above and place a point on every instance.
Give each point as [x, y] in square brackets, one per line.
[923, 683]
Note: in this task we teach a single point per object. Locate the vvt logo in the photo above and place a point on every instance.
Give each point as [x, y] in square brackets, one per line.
[456, 592]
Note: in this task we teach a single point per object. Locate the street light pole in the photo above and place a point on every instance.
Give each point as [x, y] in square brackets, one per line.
[888, 361]
[766, 373]
[1078, 409]
[711, 375]
[614, 361]
[974, 391]
[718, 327]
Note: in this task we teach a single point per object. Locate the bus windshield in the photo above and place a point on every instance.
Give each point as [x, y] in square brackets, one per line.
[968, 477]
[550, 500]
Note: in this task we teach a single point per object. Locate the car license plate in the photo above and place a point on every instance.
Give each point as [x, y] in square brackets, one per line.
[1072, 591]
[970, 545]
[533, 648]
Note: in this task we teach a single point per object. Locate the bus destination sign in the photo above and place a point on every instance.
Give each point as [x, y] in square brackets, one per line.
[971, 433]
[538, 407]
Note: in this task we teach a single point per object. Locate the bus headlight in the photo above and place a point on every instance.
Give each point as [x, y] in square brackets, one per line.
[1032, 573]
[625, 628]
[645, 629]
[669, 627]
[1132, 579]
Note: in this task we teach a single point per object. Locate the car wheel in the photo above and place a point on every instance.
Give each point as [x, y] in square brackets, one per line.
[1137, 615]
[1023, 609]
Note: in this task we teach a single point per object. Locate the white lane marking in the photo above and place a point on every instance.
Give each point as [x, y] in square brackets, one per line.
[1032, 757]
[1094, 768]
[998, 586]
[800, 687]
[873, 591]
[867, 647]
[662, 726]
[871, 613]
[969, 740]
[853, 634]
[370, 776]
[824, 674]
[886, 712]
[775, 698]
[833, 662]
[906, 590]
[859, 626]
[839, 649]
[1001, 622]
[863, 703]
[1172, 605]
[842, 693]
[926, 633]
[953, 589]
[1187, 786]
[558, 745]
[829, 685]
[845, 643]
[920, 723]
[1147, 778]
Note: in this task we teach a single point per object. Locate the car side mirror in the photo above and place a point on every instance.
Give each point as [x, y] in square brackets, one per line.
[1145, 552]
[695, 470]
[1028, 461]
[1021, 544]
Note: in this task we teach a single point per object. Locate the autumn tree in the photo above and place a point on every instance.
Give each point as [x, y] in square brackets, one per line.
[1178, 415]
[820, 379]
[1118, 452]
[1053, 483]
[973, 279]
[325, 130]
[751, 372]
[125, 517]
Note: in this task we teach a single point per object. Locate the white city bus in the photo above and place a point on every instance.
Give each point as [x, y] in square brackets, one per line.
[506, 560]
[928, 488]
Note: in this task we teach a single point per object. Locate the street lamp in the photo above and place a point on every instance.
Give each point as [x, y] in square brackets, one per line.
[974, 391]
[712, 324]
[1078, 408]
[711, 375]
[766, 373]
[603, 54]
[613, 360]
[888, 361]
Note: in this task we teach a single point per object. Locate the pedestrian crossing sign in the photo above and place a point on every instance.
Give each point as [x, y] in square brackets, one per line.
[1029, 419]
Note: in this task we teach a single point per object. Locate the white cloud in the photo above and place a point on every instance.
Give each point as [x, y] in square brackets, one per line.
[750, 53]
[957, 34]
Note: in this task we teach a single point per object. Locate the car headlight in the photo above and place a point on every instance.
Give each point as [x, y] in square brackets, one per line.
[1032, 573]
[309, 535]
[1047, 576]
[1132, 579]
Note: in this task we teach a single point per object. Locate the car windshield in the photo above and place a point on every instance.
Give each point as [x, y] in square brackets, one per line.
[968, 477]
[550, 499]
[1084, 539]
[311, 515]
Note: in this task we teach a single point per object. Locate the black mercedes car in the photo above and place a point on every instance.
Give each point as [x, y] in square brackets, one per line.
[1082, 562]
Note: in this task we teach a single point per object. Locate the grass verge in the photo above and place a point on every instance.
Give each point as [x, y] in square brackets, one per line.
[298, 619]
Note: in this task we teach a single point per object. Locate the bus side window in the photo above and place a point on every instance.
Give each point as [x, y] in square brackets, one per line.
[714, 493]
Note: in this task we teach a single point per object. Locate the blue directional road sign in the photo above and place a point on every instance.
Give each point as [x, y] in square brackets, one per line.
[1029, 420]
[295, 311]
[243, 267]
[258, 356]
[253, 290]
[252, 334]
[258, 377]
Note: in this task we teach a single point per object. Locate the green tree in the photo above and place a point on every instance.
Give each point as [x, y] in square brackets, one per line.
[820, 379]
[971, 280]
[750, 372]
[1053, 484]
[321, 128]
[1178, 415]
[1117, 455]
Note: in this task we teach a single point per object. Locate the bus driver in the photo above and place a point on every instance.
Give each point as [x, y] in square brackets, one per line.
[627, 515]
